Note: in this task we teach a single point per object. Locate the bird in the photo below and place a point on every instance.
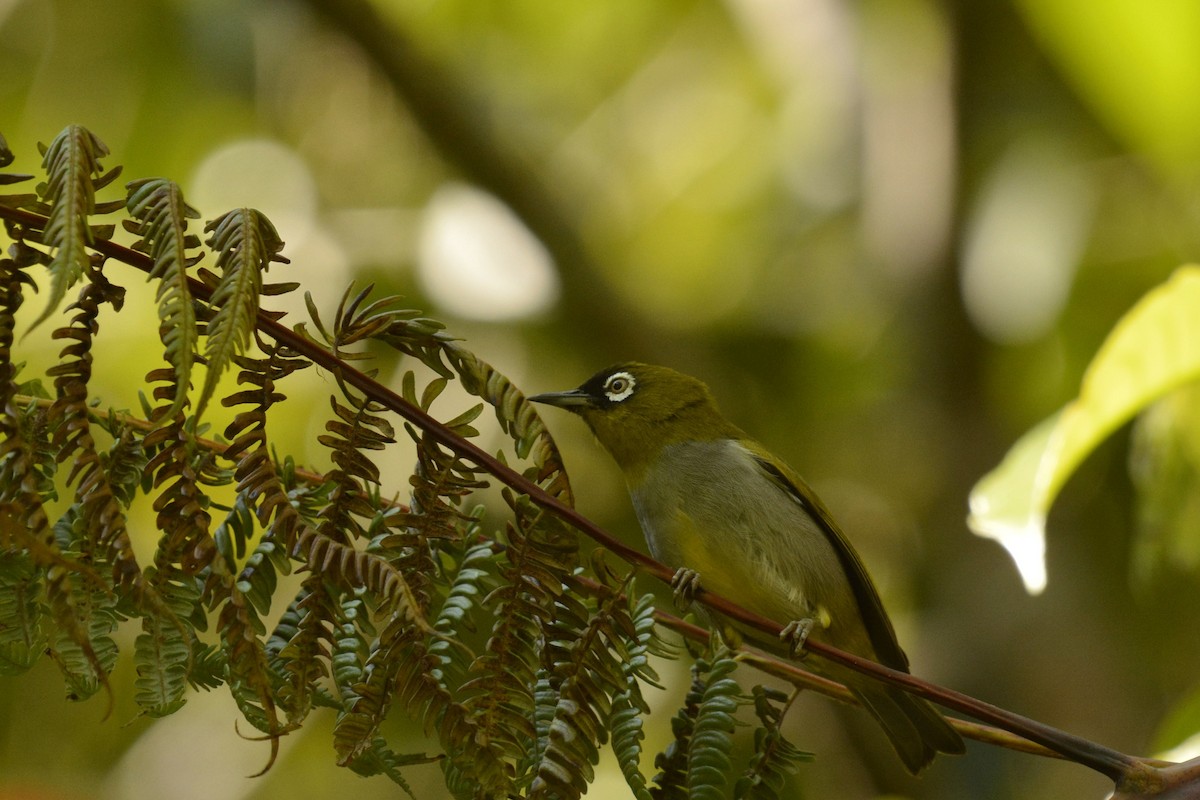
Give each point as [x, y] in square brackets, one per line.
[727, 515]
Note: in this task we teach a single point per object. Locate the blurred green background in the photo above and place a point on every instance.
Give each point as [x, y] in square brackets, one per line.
[889, 234]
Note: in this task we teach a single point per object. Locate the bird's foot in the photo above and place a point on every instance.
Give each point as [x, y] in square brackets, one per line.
[795, 634]
[685, 583]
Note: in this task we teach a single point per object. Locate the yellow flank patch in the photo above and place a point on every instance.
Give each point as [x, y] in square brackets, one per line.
[823, 617]
[722, 567]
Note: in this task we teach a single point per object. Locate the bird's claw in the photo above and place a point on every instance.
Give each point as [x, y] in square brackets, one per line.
[685, 583]
[795, 634]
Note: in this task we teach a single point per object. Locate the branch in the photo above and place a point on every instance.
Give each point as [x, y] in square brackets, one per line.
[1124, 770]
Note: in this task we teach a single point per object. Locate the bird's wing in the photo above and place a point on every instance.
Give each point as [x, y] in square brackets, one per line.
[879, 627]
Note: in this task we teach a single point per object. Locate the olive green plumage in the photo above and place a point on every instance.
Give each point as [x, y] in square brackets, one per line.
[710, 499]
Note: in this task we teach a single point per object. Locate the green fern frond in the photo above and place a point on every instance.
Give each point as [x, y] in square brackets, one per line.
[500, 697]
[709, 762]
[353, 635]
[475, 569]
[208, 666]
[588, 653]
[628, 704]
[22, 634]
[84, 613]
[73, 174]
[671, 782]
[164, 651]
[259, 576]
[365, 685]
[160, 655]
[625, 722]
[248, 672]
[162, 216]
[306, 656]
[246, 244]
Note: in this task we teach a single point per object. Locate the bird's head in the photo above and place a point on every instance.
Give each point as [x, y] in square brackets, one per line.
[635, 410]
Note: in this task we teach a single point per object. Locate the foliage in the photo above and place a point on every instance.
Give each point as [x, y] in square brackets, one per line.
[518, 654]
[1152, 350]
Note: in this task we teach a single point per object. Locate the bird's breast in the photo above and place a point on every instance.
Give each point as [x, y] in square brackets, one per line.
[708, 506]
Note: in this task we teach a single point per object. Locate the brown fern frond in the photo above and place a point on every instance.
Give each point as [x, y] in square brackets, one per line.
[258, 479]
[591, 649]
[501, 699]
[103, 515]
[356, 569]
[181, 505]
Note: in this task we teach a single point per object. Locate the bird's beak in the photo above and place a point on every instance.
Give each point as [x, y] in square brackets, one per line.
[572, 399]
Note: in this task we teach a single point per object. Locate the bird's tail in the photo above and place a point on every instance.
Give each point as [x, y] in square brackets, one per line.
[912, 724]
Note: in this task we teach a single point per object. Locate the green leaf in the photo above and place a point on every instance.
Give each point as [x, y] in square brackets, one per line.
[1154, 348]
[1164, 464]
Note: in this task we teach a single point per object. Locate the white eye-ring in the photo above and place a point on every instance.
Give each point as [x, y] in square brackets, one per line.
[619, 386]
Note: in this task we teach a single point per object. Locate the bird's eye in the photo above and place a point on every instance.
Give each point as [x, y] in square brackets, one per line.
[619, 386]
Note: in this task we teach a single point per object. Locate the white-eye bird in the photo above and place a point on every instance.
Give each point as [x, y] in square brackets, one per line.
[719, 508]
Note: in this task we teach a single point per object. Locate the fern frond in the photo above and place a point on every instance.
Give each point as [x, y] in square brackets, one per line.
[306, 656]
[161, 655]
[22, 634]
[73, 174]
[162, 216]
[365, 683]
[474, 570]
[248, 672]
[500, 697]
[181, 507]
[246, 243]
[589, 652]
[379, 759]
[164, 650]
[352, 646]
[709, 763]
[775, 758]
[671, 782]
[517, 417]
[98, 501]
[27, 462]
[84, 613]
[628, 704]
